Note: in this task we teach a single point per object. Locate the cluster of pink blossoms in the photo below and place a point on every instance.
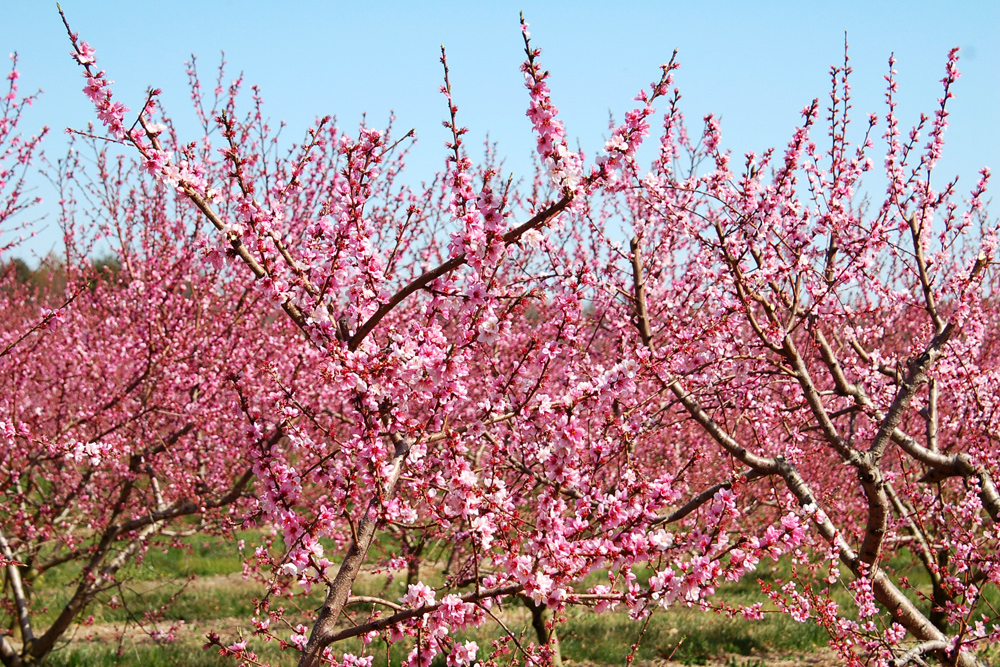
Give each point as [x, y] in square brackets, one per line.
[98, 90]
[565, 166]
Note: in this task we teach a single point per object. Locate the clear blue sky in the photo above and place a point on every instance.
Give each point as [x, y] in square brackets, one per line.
[755, 64]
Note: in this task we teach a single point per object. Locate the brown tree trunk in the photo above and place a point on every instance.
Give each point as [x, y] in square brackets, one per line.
[540, 618]
[340, 589]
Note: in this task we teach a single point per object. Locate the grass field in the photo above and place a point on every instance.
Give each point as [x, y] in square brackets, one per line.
[199, 589]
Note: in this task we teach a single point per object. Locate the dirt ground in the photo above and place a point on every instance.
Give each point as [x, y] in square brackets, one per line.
[820, 658]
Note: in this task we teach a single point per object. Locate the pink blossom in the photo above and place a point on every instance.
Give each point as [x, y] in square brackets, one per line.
[418, 595]
[84, 54]
[95, 90]
[463, 654]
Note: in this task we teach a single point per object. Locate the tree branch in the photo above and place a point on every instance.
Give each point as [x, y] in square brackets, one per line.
[427, 278]
[17, 588]
[706, 495]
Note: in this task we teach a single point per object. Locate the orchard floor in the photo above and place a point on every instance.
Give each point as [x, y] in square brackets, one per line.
[106, 644]
[199, 589]
[674, 638]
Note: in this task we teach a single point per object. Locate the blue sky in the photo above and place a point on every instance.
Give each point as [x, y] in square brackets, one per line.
[755, 64]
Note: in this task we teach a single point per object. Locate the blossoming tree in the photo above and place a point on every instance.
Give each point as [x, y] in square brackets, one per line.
[765, 368]
[118, 389]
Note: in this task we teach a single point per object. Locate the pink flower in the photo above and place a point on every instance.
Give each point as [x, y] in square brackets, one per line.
[489, 330]
[157, 162]
[85, 54]
[299, 638]
[95, 90]
[463, 654]
[112, 114]
[418, 595]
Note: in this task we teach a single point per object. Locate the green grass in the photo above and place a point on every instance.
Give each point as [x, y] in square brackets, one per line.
[164, 573]
[215, 596]
[202, 556]
[689, 635]
[149, 655]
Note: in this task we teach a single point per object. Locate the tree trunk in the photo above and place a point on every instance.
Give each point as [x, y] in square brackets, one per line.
[540, 618]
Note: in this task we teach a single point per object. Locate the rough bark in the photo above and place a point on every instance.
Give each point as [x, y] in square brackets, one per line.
[323, 631]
